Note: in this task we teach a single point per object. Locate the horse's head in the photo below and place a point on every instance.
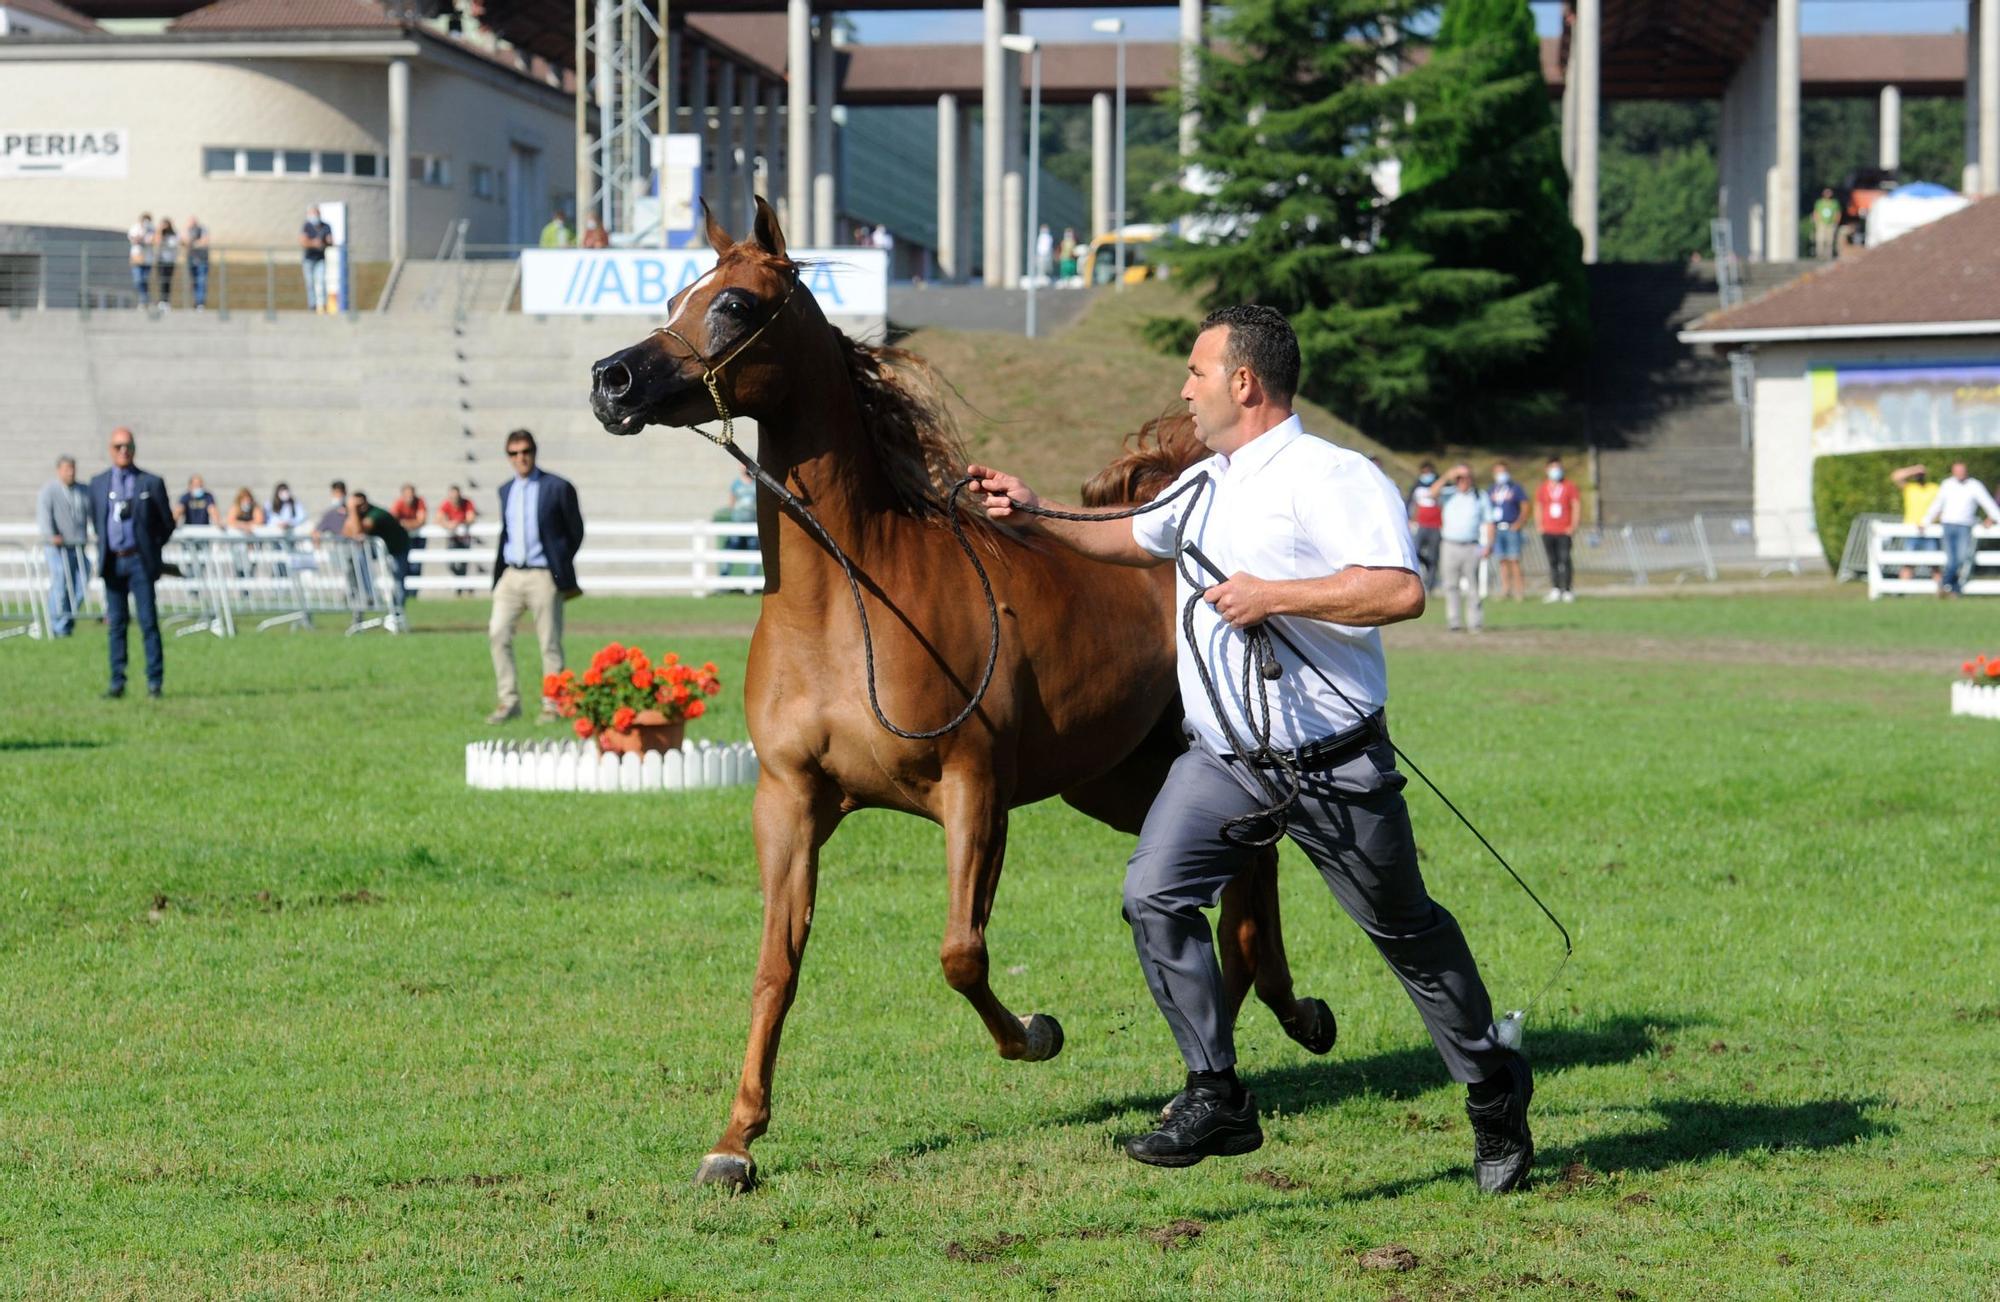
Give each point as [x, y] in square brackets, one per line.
[725, 330]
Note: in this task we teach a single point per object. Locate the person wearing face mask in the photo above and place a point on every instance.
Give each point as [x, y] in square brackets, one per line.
[285, 511]
[334, 519]
[1468, 540]
[1510, 503]
[1427, 522]
[1557, 504]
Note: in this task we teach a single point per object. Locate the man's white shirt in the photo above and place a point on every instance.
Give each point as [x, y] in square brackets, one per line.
[1959, 501]
[1286, 506]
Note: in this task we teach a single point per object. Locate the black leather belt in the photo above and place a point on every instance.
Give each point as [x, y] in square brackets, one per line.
[121, 555]
[1330, 752]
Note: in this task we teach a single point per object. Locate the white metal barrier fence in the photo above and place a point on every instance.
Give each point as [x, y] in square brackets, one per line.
[692, 558]
[1895, 548]
[24, 592]
[1697, 547]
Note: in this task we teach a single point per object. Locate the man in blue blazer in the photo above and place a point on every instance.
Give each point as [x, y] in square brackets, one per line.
[541, 528]
[134, 521]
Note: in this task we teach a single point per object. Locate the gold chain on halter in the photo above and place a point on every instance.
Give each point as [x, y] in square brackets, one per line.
[711, 372]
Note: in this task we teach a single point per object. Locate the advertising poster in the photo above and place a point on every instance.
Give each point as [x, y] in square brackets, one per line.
[1865, 408]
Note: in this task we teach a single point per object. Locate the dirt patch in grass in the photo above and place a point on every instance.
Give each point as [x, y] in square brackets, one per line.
[477, 1180]
[983, 1249]
[1635, 1200]
[1176, 1234]
[1573, 1177]
[1390, 1256]
[1274, 1180]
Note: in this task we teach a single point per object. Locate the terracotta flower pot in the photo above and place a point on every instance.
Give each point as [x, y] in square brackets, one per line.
[649, 731]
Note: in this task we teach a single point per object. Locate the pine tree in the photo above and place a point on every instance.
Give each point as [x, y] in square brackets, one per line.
[1415, 315]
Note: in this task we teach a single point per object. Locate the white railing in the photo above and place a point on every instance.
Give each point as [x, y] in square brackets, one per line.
[691, 558]
[1894, 547]
[1702, 547]
[24, 591]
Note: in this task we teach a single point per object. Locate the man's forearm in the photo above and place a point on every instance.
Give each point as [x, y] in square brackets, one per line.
[1101, 540]
[1358, 596]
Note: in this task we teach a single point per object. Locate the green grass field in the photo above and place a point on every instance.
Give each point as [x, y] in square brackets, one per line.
[288, 1012]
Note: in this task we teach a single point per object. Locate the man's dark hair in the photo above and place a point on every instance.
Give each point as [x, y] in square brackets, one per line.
[521, 436]
[1261, 339]
[338, 485]
[357, 494]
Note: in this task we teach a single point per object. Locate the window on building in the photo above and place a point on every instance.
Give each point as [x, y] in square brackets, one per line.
[260, 160]
[368, 165]
[218, 162]
[298, 162]
[429, 169]
[482, 181]
[332, 162]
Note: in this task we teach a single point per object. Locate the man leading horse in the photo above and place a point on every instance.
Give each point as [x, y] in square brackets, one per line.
[1313, 534]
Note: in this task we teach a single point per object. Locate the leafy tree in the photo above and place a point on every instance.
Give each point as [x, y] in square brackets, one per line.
[1405, 323]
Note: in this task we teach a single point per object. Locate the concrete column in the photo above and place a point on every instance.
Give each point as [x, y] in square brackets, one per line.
[1781, 203]
[728, 177]
[825, 203]
[1989, 96]
[1569, 113]
[698, 98]
[1889, 140]
[399, 159]
[1969, 177]
[1014, 185]
[798, 119]
[1101, 158]
[770, 174]
[1190, 70]
[947, 189]
[1583, 180]
[749, 170]
[992, 125]
[967, 187]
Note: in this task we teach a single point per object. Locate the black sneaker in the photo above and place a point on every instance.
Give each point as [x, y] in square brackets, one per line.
[1502, 1148]
[1202, 1125]
[113, 693]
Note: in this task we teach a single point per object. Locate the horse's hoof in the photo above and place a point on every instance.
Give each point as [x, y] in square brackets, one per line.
[1045, 1037]
[733, 1173]
[1314, 1027]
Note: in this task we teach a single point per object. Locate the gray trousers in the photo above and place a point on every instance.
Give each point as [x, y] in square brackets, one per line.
[1461, 565]
[1352, 823]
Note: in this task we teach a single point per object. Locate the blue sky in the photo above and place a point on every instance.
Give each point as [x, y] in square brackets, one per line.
[1817, 17]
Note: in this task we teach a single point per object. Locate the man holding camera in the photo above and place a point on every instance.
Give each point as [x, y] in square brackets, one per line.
[134, 521]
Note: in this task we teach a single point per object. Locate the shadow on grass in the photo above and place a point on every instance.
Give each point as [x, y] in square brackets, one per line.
[9, 744]
[1404, 1073]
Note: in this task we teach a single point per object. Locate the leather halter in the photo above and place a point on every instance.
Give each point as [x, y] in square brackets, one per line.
[711, 372]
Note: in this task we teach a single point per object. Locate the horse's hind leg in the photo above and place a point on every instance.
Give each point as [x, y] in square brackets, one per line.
[792, 819]
[1249, 935]
[975, 826]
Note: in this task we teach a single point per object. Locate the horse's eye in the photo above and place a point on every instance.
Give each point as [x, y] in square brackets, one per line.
[734, 307]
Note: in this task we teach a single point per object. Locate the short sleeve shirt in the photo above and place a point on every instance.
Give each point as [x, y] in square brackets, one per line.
[196, 508]
[1917, 499]
[405, 514]
[456, 515]
[319, 231]
[1286, 506]
[383, 525]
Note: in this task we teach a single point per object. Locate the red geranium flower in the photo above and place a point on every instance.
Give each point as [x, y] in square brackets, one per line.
[584, 728]
[551, 684]
[622, 720]
[1966, 668]
[1993, 668]
[642, 679]
[696, 709]
[593, 677]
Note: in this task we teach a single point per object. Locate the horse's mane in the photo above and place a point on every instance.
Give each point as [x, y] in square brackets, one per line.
[903, 408]
[1154, 457]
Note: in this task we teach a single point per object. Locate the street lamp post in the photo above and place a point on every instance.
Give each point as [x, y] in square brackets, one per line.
[1029, 46]
[1116, 27]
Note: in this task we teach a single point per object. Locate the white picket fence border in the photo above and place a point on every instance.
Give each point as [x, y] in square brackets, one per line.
[577, 766]
[1975, 700]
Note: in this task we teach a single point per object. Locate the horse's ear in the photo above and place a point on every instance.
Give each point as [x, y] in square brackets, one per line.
[718, 239]
[766, 232]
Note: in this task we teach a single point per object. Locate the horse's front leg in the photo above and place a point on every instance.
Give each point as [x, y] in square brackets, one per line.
[1253, 955]
[975, 827]
[793, 817]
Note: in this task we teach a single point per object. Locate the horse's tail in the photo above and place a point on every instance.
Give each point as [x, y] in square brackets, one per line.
[1154, 457]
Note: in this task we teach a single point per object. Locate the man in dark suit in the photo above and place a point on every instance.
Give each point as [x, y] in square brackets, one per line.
[541, 528]
[134, 521]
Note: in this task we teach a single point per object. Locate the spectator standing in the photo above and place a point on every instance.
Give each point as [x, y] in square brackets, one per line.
[593, 233]
[140, 237]
[62, 518]
[534, 569]
[285, 511]
[457, 514]
[129, 510]
[196, 238]
[1466, 527]
[413, 514]
[555, 235]
[1958, 504]
[197, 506]
[1426, 516]
[1825, 223]
[1510, 505]
[1045, 254]
[167, 252]
[1918, 493]
[333, 520]
[883, 240]
[315, 238]
[1066, 256]
[1557, 504]
[245, 516]
[368, 521]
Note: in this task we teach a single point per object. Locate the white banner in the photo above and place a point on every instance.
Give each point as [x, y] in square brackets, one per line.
[88, 153]
[604, 282]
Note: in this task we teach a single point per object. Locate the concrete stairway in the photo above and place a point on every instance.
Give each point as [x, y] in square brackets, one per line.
[1662, 413]
[454, 287]
[377, 400]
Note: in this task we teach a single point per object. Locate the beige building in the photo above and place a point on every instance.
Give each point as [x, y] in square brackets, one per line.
[239, 115]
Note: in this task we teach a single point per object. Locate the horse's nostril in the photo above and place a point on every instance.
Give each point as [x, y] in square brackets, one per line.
[614, 380]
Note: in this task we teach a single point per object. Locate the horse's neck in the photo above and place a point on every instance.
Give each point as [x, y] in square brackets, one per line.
[826, 458]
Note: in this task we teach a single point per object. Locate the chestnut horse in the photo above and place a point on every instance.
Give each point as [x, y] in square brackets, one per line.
[1083, 702]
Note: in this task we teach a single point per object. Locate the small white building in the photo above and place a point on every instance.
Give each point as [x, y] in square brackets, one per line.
[246, 112]
[1896, 348]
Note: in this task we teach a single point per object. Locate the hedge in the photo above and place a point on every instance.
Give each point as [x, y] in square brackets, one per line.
[1858, 483]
